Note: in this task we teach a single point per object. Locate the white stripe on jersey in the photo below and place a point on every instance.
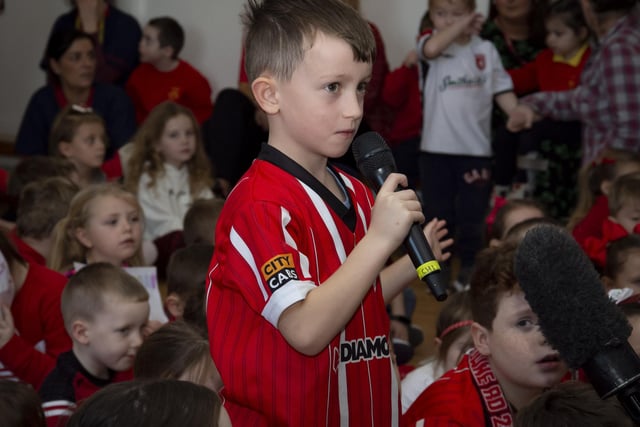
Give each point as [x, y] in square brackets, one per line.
[244, 251]
[304, 260]
[323, 211]
[56, 408]
[343, 388]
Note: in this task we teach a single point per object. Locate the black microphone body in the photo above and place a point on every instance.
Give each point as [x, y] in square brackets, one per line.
[576, 316]
[376, 163]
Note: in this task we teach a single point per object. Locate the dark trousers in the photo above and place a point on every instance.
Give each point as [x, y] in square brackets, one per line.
[447, 195]
[405, 154]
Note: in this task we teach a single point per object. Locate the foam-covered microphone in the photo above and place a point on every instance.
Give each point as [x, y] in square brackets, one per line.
[575, 314]
[375, 161]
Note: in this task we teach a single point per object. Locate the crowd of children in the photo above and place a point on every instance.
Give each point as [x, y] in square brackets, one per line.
[284, 320]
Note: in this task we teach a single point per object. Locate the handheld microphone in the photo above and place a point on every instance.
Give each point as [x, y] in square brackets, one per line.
[375, 161]
[575, 314]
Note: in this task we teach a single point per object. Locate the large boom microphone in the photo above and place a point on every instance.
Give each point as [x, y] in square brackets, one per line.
[575, 314]
[375, 161]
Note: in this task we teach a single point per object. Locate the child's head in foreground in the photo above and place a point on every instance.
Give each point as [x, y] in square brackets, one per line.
[624, 201]
[20, 405]
[164, 402]
[572, 403]
[506, 330]
[105, 310]
[162, 39]
[453, 330]
[104, 224]
[186, 277]
[177, 351]
[309, 59]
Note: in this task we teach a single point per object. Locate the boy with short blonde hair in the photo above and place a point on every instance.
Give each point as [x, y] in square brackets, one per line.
[105, 310]
[299, 239]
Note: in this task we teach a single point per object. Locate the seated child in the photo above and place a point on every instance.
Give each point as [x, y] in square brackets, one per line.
[511, 364]
[624, 217]
[164, 402]
[622, 268]
[573, 403]
[104, 310]
[20, 405]
[78, 134]
[594, 183]
[186, 284]
[163, 76]
[32, 169]
[453, 339]
[177, 351]
[32, 333]
[200, 221]
[104, 224]
[168, 170]
[42, 204]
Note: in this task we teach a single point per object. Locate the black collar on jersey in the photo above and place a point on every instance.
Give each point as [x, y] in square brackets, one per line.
[272, 155]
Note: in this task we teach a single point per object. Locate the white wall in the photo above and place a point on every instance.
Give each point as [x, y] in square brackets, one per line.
[213, 40]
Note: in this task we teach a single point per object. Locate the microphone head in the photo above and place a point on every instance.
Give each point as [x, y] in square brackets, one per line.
[372, 153]
[563, 288]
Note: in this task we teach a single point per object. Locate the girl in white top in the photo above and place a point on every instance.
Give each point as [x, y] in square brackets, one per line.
[168, 168]
[453, 339]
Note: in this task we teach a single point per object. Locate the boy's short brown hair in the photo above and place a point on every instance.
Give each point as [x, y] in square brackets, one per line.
[42, 204]
[492, 278]
[279, 32]
[170, 33]
[84, 296]
[200, 221]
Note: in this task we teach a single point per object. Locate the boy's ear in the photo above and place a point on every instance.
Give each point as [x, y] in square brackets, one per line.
[167, 51]
[265, 92]
[494, 242]
[80, 331]
[605, 186]
[81, 234]
[174, 305]
[481, 338]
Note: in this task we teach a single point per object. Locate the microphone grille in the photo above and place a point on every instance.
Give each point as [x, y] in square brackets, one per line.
[371, 152]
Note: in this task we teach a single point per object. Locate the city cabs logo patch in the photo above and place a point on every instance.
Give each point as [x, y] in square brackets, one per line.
[278, 271]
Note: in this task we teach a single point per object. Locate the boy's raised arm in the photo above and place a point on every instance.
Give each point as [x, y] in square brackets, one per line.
[311, 324]
[440, 40]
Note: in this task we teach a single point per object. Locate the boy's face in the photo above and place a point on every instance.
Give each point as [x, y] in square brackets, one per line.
[634, 338]
[115, 334]
[320, 108]
[629, 215]
[445, 13]
[522, 360]
[149, 47]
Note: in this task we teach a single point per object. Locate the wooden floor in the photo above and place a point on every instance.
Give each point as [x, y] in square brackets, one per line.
[427, 310]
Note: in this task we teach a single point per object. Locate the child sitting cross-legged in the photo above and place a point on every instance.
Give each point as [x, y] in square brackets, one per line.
[511, 364]
[104, 310]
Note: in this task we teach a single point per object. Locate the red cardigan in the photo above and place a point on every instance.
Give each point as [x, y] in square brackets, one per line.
[546, 75]
[401, 92]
